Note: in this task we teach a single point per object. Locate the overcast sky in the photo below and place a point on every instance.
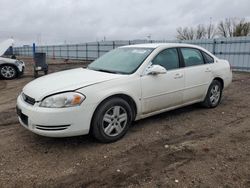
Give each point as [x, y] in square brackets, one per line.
[79, 21]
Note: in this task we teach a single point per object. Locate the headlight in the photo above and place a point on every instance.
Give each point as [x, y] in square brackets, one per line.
[63, 100]
[19, 62]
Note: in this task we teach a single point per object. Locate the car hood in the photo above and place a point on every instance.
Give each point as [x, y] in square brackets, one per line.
[65, 81]
[7, 60]
[5, 45]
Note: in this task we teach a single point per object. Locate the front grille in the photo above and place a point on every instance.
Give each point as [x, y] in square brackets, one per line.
[28, 99]
[52, 128]
[22, 116]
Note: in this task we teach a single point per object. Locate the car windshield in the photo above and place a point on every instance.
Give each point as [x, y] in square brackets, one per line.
[121, 60]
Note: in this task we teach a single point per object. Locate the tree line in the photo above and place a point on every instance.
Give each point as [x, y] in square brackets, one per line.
[230, 27]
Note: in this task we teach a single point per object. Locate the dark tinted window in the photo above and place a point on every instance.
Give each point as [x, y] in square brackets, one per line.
[167, 58]
[208, 58]
[192, 57]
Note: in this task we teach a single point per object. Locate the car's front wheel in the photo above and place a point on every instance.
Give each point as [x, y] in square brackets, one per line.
[214, 94]
[8, 72]
[111, 120]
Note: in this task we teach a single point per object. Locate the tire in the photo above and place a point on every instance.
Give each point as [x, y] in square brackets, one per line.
[8, 72]
[35, 74]
[111, 120]
[214, 94]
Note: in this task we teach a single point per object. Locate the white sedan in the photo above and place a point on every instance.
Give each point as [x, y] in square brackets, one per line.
[9, 68]
[126, 84]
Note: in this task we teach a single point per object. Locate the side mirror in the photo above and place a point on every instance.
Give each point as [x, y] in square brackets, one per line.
[156, 69]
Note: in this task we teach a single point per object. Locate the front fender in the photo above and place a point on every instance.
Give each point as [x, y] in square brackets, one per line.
[96, 94]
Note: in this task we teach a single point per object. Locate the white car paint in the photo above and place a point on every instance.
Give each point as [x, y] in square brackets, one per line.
[65, 81]
[17, 63]
[7, 61]
[152, 94]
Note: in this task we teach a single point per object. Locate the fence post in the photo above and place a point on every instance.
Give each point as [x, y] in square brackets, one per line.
[113, 44]
[87, 51]
[98, 49]
[34, 49]
[47, 54]
[60, 51]
[53, 49]
[76, 51]
[67, 51]
[214, 44]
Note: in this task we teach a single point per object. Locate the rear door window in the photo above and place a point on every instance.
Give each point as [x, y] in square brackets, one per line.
[208, 58]
[192, 57]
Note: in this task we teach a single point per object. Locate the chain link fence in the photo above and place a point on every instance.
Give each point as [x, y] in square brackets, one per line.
[236, 50]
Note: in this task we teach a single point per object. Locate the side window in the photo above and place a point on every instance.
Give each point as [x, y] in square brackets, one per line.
[208, 58]
[192, 57]
[167, 58]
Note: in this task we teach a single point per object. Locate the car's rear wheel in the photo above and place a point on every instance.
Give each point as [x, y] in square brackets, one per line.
[214, 94]
[8, 72]
[111, 120]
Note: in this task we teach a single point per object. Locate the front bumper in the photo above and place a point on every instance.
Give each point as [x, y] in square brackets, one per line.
[21, 68]
[55, 122]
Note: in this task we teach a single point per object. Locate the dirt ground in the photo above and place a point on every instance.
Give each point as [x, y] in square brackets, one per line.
[188, 147]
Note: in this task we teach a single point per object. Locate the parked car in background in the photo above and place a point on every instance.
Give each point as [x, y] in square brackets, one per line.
[9, 68]
[126, 84]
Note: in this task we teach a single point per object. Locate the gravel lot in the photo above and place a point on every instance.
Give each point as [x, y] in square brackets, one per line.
[188, 147]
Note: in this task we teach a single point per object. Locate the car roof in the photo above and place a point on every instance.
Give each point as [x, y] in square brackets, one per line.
[167, 45]
[156, 45]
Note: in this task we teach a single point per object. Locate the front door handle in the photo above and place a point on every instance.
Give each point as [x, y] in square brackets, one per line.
[178, 75]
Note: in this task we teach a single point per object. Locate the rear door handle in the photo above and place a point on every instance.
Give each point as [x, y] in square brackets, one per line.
[208, 70]
[178, 75]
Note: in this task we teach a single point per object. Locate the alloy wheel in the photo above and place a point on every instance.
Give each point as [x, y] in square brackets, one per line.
[8, 71]
[215, 94]
[114, 121]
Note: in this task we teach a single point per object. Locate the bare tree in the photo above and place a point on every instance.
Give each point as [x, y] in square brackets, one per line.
[242, 28]
[226, 28]
[229, 27]
[186, 33]
[211, 31]
[190, 33]
[200, 32]
[233, 27]
[222, 31]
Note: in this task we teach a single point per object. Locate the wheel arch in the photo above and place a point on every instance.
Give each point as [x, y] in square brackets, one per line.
[123, 96]
[220, 80]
